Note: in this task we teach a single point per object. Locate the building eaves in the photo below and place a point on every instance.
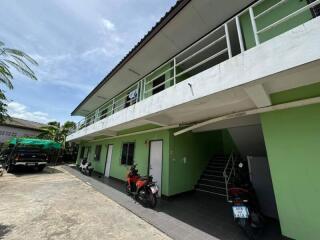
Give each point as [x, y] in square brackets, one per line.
[180, 4]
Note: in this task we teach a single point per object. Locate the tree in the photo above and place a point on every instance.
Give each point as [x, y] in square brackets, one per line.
[18, 60]
[54, 131]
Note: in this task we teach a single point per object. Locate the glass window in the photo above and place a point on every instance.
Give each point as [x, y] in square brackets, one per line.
[127, 153]
[97, 153]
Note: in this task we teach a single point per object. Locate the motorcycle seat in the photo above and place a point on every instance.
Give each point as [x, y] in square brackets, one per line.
[144, 178]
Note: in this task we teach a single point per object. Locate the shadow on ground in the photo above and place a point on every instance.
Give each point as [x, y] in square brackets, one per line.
[4, 230]
[23, 170]
[210, 214]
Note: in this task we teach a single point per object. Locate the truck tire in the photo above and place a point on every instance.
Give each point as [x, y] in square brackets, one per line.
[10, 168]
[40, 168]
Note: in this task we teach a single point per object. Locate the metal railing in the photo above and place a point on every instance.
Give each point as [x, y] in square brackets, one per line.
[212, 49]
[228, 174]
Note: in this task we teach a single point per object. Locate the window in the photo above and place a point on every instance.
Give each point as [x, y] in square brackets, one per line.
[104, 113]
[158, 84]
[127, 153]
[87, 155]
[315, 11]
[131, 98]
[97, 153]
[82, 152]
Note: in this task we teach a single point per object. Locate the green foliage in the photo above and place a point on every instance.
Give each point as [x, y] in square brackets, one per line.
[3, 107]
[54, 131]
[13, 58]
[18, 60]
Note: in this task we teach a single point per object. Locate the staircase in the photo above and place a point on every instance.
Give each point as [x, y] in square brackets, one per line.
[212, 180]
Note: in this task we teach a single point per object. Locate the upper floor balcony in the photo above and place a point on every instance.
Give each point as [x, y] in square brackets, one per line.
[259, 23]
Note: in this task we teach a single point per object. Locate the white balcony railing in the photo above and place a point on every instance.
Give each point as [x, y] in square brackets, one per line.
[214, 48]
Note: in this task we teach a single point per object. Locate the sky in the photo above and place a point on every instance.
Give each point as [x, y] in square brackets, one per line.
[76, 43]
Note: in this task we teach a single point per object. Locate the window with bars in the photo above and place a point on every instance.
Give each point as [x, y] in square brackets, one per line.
[127, 153]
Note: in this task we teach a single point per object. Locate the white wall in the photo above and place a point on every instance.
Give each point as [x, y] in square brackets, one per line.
[250, 142]
[291, 49]
[7, 132]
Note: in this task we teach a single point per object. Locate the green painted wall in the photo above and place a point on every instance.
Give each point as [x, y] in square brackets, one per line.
[184, 156]
[141, 155]
[189, 155]
[295, 94]
[228, 144]
[292, 140]
[271, 17]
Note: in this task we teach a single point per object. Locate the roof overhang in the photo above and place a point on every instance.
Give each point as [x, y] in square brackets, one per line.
[184, 24]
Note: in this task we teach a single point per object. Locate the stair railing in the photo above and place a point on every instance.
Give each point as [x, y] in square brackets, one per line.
[226, 175]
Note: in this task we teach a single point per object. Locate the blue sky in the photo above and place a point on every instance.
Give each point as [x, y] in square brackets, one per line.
[76, 43]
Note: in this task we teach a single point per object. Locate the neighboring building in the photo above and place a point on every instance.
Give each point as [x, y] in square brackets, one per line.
[212, 78]
[16, 127]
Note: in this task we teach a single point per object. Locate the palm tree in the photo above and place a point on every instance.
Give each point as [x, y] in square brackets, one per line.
[54, 131]
[18, 60]
[12, 58]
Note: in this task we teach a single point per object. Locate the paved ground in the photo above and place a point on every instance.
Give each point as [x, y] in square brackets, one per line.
[56, 205]
[185, 217]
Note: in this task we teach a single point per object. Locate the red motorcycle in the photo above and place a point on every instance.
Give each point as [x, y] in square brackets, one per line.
[142, 188]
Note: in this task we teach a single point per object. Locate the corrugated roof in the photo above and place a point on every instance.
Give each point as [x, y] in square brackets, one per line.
[22, 123]
[180, 4]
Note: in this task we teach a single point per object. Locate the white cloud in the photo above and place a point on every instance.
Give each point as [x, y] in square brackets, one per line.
[19, 110]
[108, 24]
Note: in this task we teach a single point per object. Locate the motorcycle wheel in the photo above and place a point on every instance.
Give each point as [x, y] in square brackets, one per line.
[9, 168]
[128, 189]
[152, 199]
[246, 228]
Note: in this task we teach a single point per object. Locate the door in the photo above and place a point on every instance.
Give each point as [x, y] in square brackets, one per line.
[155, 162]
[108, 160]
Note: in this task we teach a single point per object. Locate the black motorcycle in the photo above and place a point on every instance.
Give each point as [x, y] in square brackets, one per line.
[245, 207]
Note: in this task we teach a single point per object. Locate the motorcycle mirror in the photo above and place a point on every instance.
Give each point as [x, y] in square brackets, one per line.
[240, 165]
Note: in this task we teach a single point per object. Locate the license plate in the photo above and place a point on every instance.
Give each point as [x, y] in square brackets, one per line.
[154, 189]
[240, 212]
[31, 164]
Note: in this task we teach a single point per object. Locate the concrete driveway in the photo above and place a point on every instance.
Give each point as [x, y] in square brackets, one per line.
[56, 205]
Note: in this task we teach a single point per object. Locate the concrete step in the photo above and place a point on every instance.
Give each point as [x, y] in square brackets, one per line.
[211, 182]
[213, 171]
[209, 186]
[213, 193]
[211, 189]
[212, 177]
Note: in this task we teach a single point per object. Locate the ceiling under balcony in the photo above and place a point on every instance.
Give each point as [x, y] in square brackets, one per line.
[196, 19]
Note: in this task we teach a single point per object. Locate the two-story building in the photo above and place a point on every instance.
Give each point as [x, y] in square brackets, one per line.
[212, 80]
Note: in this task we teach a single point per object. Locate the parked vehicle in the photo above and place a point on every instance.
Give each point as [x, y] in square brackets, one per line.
[29, 156]
[86, 167]
[245, 207]
[1, 170]
[142, 188]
